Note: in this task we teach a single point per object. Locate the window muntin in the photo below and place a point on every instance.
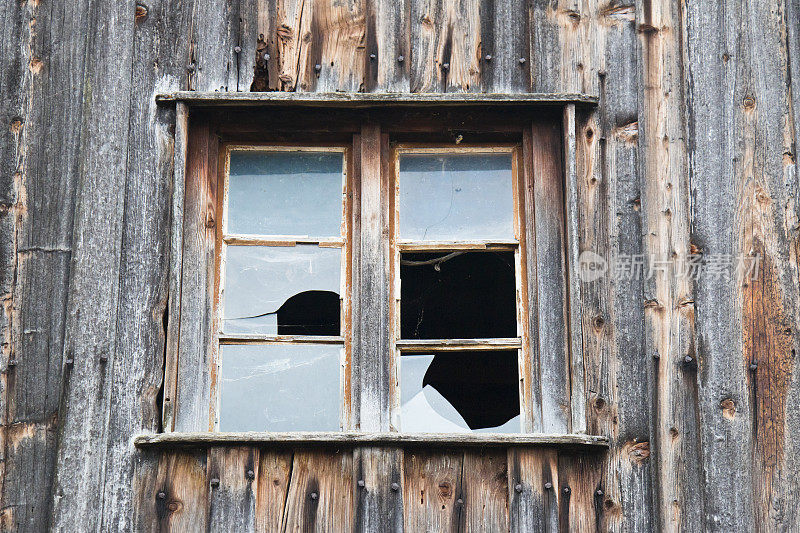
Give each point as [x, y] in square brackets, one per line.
[462, 203]
[282, 278]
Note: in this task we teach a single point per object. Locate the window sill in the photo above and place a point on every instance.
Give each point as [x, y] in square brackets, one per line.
[156, 440]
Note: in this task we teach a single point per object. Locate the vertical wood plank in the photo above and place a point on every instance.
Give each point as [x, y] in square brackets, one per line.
[175, 265]
[173, 494]
[372, 369]
[669, 308]
[533, 489]
[551, 311]
[484, 491]
[232, 472]
[573, 282]
[505, 36]
[196, 351]
[339, 29]
[580, 492]
[446, 45]
[320, 496]
[431, 487]
[388, 38]
[90, 333]
[379, 503]
[214, 35]
[274, 472]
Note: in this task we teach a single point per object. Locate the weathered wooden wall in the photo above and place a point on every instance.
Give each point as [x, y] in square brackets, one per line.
[691, 150]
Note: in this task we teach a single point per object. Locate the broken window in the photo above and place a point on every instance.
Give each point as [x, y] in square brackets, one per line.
[281, 274]
[458, 257]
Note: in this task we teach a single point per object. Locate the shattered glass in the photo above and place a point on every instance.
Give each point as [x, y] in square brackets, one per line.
[279, 388]
[282, 290]
[460, 392]
[285, 193]
[456, 196]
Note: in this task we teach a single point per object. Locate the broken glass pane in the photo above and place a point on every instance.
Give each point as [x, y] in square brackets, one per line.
[279, 388]
[456, 197]
[285, 193]
[282, 290]
[455, 392]
[457, 295]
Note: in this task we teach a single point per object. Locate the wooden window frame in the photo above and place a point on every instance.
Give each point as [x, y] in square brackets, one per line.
[553, 398]
[224, 239]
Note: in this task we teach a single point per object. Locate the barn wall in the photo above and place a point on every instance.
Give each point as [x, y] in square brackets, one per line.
[691, 150]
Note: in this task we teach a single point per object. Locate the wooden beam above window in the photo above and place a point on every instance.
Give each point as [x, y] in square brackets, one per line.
[365, 100]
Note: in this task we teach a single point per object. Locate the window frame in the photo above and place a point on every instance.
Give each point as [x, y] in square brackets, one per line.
[520, 343]
[224, 240]
[546, 131]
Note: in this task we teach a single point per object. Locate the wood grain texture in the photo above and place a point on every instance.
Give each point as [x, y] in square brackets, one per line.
[431, 489]
[378, 505]
[274, 474]
[533, 496]
[232, 472]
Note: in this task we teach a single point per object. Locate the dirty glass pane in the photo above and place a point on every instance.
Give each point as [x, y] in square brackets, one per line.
[279, 388]
[285, 193]
[456, 197]
[459, 392]
[282, 290]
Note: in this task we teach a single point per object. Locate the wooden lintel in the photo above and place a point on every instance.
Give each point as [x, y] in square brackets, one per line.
[371, 439]
[364, 100]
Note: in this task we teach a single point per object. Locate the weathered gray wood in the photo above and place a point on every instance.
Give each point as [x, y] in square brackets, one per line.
[388, 38]
[179, 168]
[484, 491]
[39, 148]
[91, 327]
[546, 214]
[213, 37]
[138, 364]
[573, 283]
[505, 36]
[580, 492]
[412, 345]
[669, 308]
[379, 503]
[274, 473]
[356, 100]
[232, 497]
[372, 367]
[533, 495]
[196, 349]
[320, 496]
[357, 438]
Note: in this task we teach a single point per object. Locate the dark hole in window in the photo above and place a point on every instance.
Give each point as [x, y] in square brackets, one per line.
[457, 295]
[310, 313]
[482, 386]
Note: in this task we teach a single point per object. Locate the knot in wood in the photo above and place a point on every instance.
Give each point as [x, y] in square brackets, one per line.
[141, 13]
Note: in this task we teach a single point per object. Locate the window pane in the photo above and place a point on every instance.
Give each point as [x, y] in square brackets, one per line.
[457, 295]
[456, 197]
[282, 290]
[460, 392]
[279, 388]
[285, 193]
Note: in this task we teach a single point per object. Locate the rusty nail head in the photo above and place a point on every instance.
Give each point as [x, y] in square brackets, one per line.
[656, 356]
[161, 495]
[190, 67]
[314, 495]
[317, 67]
[400, 59]
[361, 483]
[250, 474]
[488, 57]
[12, 362]
[445, 66]
[266, 57]
[518, 487]
[599, 492]
[395, 487]
[753, 366]
[522, 60]
[373, 57]
[104, 358]
[688, 359]
[214, 482]
[460, 501]
[566, 490]
[237, 49]
[548, 485]
[70, 361]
